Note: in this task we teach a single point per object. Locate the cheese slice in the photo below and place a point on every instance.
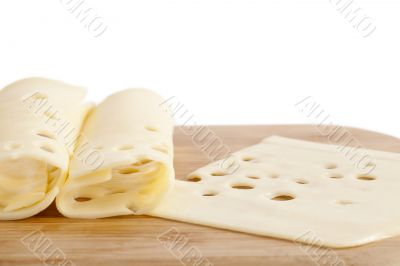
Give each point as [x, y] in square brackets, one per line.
[296, 190]
[133, 134]
[40, 120]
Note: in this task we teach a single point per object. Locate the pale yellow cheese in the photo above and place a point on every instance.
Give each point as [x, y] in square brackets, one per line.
[296, 190]
[34, 151]
[132, 134]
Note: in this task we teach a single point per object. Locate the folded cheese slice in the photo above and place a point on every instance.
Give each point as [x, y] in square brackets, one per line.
[297, 190]
[40, 120]
[133, 134]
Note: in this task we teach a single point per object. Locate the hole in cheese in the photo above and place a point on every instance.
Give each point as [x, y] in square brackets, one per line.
[125, 147]
[45, 134]
[193, 179]
[116, 192]
[331, 166]
[366, 178]
[209, 194]
[218, 173]
[344, 202]
[335, 176]
[283, 197]
[47, 148]
[301, 181]
[150, 128]
[253, 177]
[247, 158]
[128, 171]
[242, 186]
[82, 199]
[142, 162]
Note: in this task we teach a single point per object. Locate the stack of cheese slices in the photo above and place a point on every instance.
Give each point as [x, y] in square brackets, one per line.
[116, 158]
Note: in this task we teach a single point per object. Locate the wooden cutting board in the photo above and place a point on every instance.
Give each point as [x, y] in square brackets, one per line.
[50, 239]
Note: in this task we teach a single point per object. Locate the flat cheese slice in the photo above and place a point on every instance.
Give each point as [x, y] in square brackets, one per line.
[296, 190]
[133, 135]
[40, 120]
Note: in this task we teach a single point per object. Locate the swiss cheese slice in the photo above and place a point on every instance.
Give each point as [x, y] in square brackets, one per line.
[40, 120]
[133, 133]
[296, 190]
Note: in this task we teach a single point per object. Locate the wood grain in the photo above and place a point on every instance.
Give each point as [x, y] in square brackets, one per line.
[133, 240]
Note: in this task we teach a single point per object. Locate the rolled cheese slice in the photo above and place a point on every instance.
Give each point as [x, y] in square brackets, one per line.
[131, 134]
[297, 190]
[40, 120]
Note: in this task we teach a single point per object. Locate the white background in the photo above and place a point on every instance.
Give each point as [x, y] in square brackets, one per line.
[229, 62]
